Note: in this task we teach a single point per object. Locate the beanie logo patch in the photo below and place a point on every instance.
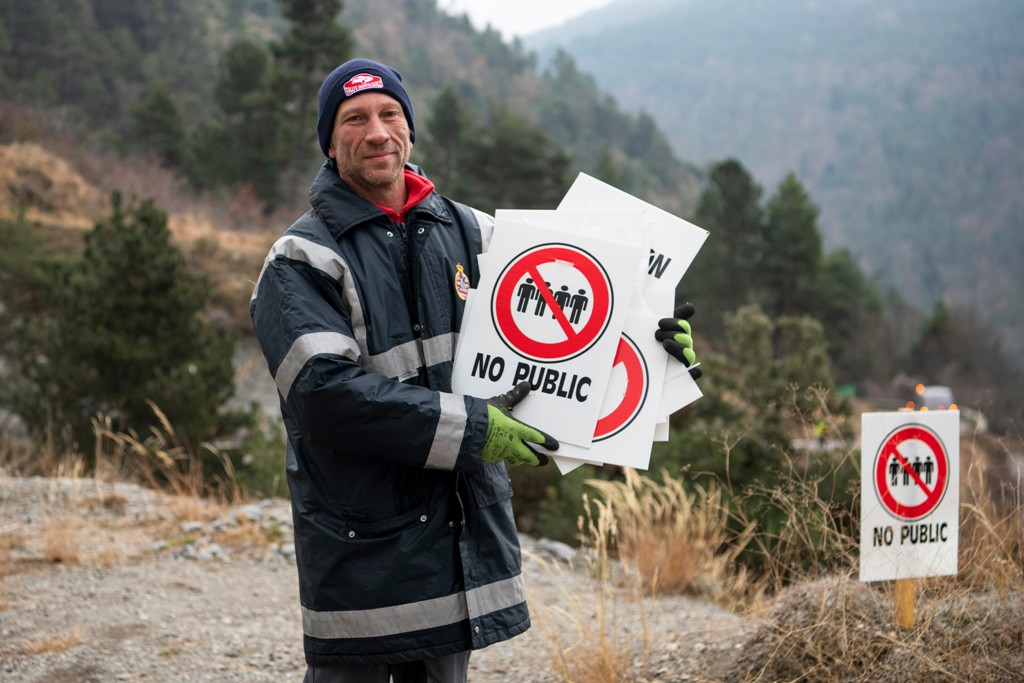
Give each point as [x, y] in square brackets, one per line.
[361, 82]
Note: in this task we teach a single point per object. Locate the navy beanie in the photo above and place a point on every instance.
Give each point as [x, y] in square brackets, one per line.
[351, 78]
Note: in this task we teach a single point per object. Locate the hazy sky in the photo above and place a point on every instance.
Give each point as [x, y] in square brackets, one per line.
[522, 17]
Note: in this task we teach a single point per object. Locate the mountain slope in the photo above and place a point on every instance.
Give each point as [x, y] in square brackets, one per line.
[433, 50]
[902, 119]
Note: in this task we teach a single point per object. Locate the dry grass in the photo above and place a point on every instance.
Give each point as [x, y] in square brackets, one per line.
[677, 541]
[60, 541]
[159, 461]
[11, 539]
[838, 629]
[601, 635]
[51, 644]
[248, 534]
[991, 554]
[966, 628]
[64, 190]
[815, 622]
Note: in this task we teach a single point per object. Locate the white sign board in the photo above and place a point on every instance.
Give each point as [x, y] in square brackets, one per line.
[549, 309]
[624, 432]
[910, 495]
[674, 244]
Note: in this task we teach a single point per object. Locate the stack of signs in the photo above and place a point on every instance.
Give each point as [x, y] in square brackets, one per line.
[569, 300]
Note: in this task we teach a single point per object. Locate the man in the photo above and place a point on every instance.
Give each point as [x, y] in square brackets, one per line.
[406, 547]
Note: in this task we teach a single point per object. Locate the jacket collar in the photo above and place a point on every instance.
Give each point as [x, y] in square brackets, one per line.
[342, 209]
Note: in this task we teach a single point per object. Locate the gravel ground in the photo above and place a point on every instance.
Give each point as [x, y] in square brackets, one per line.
[110, 581]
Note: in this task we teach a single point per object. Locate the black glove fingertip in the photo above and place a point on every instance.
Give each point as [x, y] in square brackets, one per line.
[664, 335]
[686, 310]
[675, 349]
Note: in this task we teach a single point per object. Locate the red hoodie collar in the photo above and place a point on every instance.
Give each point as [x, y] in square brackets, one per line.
[417, 189]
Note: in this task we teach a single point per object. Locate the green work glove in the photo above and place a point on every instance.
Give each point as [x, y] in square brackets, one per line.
[674, 334]
[508, 438]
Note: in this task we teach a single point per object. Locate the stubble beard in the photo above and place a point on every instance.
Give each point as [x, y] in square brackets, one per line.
[362, 175]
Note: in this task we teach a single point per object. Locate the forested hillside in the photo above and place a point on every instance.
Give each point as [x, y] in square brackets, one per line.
[184, 79]
[902, 119]
[220, 95]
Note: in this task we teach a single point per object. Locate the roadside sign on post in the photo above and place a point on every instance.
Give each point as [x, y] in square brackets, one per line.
[909, 495]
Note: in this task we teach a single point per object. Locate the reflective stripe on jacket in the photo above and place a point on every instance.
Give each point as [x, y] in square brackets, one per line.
[405, 541]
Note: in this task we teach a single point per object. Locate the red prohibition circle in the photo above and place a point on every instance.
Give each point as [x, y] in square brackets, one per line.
[576, 341]
[633, 400]
[932, 497]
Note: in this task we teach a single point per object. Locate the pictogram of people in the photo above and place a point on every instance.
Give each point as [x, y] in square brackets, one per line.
[922, 468]
[578, 304]
[562, 297]
[574, 304]
[526, 291]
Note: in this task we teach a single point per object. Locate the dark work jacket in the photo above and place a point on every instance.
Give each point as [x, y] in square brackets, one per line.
[405, 542]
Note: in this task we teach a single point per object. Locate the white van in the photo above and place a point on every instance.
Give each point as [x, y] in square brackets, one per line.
[935, 397]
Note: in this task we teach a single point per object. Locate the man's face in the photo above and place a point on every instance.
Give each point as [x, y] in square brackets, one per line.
[370, 141]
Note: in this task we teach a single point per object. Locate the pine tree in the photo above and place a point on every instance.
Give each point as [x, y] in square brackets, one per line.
[245, 145]
[157, 125]
[726, 273]
[127, 329]
[792, 256]
[448, 125]
[512, 164]
[313, 46]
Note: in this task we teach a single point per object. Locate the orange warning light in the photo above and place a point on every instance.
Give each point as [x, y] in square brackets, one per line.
[910, 405]
[953, 406]
[919, 389]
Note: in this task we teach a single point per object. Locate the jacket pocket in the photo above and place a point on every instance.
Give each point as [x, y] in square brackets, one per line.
[490, 484]
[382, 517]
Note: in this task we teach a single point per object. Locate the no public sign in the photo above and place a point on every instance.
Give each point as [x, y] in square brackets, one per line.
[910, 499]
[911, 472]
[552, 302]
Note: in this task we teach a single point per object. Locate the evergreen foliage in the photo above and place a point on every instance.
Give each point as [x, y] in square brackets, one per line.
[954, 348]
[792, 256]
[125, 329]
[245, 142]
[315, 43]
[25, 280]
[770, 380]
[726, 273]
[771, 255]
[90, 57]
[512, 163]
[505, 162]
[157, 125]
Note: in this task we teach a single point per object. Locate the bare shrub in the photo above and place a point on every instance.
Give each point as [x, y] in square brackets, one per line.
[594, 639]
[991, 553]
[161, 462]
[838, 630]
[967, 627]
[678, 542]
